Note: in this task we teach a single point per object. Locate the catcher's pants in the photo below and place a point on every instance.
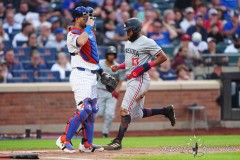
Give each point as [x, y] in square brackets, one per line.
[135, 88]
[107, 105]
[84, 85]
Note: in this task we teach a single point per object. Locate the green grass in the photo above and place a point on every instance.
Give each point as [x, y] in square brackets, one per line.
[128, 142]
[207, 156]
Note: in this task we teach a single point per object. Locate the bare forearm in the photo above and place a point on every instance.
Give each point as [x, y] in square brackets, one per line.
[161, 57]
[82, 39]
[119, 85]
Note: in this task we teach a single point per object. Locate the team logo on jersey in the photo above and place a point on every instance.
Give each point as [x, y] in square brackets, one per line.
[132, 51]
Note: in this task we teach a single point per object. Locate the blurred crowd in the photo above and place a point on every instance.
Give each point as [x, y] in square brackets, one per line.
[190, 30]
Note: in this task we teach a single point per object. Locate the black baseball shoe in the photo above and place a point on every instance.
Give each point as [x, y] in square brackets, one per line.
[169, 113]
[115, 145]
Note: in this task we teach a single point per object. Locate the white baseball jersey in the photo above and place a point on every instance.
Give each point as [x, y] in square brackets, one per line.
[86, 53]
[139, 52]
[83, 81]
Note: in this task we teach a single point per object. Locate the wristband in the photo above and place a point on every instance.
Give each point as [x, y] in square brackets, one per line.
[152, 64]
[122, 66]
[88, 29]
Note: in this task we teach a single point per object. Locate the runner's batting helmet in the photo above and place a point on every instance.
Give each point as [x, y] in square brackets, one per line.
[78, 12]
[133, 23]
[111, 50]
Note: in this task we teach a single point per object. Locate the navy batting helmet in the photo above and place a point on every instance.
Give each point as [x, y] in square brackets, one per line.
[111, 50]
[133, 23]
[78, 12]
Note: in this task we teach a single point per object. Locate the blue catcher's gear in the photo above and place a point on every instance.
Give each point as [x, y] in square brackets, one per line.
[90, 11]
[78, 117]
[88, 125]
[79, 12]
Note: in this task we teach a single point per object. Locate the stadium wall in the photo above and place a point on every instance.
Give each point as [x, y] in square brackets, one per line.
[47, 106]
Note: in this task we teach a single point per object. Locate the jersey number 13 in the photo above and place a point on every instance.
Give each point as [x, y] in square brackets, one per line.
[135, 61]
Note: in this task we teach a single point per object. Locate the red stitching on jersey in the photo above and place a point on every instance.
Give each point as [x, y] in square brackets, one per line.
[136, 93]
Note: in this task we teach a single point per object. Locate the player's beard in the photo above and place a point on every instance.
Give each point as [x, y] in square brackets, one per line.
[82, 26]
[134, 36]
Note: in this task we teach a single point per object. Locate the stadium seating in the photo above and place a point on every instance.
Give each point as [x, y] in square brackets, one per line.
[7, 45]
[65, 80]
[46, 79]
[48, 52]
[24, 74]
[19, 80]
[49, 74]
[65, 50]
[18, 58]
[25, 64]
[20, 43]
[67, 73]
[43, 57]
[49, 63]
[23, 53]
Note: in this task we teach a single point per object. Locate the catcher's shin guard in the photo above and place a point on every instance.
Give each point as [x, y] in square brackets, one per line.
[88, 132]
[77, 118]
[72, 125]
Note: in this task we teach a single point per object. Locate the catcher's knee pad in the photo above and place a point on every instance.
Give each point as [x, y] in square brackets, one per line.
[94, 105]
[91, 117]
[87, 106]
[86, 109]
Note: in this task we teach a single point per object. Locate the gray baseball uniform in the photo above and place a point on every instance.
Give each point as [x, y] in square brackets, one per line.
[137, 53]
[106, 102]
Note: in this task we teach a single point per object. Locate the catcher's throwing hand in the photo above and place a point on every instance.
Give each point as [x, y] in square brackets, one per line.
[115, 68]
[109, 81]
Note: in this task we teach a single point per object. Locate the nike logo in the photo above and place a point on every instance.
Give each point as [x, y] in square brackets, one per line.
[91, 36]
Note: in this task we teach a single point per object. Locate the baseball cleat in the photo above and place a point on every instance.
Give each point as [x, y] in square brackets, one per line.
[115, 145]
[94, 148]
[66, 147]
[169, 113]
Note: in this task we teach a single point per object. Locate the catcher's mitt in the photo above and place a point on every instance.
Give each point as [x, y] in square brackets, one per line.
[109, 81]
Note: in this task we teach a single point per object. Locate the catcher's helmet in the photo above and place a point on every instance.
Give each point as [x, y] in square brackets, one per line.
[111, 50]
[90, 11]
[78, 12]
[133, 23]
